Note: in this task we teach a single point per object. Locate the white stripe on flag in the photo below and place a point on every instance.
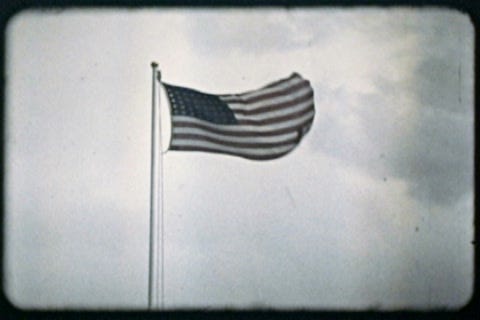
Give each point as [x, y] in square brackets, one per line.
[275, 113]
[291, 123]
[269, 101]
[255, 93]
[229, 138]
[180, 143]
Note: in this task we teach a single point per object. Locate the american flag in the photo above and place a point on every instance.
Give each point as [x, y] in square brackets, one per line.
[261, 124]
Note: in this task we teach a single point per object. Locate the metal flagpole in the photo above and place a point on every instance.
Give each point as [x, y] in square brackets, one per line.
[162, 226]
[156, 201]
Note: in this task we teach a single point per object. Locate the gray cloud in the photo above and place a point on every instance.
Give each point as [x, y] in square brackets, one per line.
[437, 154]
[419, 128]
[266, 31]
[437, 158]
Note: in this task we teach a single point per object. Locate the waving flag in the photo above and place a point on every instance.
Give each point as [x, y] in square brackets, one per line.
[261, 124]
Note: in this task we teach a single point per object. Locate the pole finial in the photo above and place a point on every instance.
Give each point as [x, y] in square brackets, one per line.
[154, 64]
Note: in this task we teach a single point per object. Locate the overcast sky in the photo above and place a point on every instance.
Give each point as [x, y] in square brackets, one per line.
[374, 209]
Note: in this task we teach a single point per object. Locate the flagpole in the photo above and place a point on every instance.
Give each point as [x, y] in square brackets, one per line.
[156, 201]
[162, 226]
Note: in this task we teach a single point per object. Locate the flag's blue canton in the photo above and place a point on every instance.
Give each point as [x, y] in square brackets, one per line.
[191, 103]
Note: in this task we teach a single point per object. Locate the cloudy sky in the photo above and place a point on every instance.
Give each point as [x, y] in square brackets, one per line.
[374, 209]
